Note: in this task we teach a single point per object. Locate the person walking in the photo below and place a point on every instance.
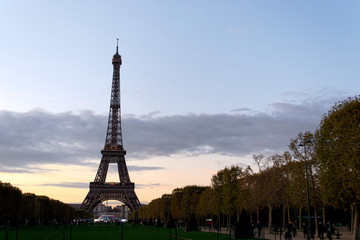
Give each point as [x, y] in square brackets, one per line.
[312, 230]
[259, 228]
[321, 230]
[305, 230]
[287, 235]
[294, 229]
[329, 230]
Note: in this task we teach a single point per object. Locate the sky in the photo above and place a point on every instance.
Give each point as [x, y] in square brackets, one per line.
[204, 85]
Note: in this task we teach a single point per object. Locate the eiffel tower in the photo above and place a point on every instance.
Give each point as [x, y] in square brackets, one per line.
[113, 152]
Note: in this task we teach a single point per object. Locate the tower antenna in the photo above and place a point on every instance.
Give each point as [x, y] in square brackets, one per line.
[117, 45]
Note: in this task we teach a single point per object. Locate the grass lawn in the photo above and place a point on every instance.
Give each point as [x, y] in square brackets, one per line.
[104, 232]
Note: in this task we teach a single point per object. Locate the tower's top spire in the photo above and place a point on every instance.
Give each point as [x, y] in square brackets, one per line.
[117, 57]
[117, 45]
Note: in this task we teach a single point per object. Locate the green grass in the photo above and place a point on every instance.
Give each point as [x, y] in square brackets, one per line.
[104, 232]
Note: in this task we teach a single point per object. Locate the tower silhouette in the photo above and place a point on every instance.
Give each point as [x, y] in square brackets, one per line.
[113, 152]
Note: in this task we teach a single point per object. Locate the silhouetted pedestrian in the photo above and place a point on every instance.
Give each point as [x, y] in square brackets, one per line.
[259, 228]
[305, 230]
[321, 230]
[294, 228]
[329, 230]
[290, 227]
[312, 231]
[287, 235]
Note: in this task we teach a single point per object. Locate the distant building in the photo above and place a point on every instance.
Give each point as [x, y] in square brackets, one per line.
[100, 208]
[119, 211]
[122, 210]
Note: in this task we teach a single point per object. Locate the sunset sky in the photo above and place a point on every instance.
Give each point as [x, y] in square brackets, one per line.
[204, 85]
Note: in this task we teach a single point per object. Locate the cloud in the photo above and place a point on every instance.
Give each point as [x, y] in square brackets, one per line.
[143, 168]
[11, 169]
[85, 185]
[68, 185]
[40, 137]
[151, 185]
[229, 134]
[241, 110]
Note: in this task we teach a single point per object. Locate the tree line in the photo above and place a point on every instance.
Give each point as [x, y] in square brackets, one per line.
[27, 208]
[319, 169]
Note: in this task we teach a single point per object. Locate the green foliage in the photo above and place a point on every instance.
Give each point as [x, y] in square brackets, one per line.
[16, 207]
[42, 209]
[303, 148]
[10, 202]
[207, 204]
[226, 185]
[190, 199]
[338, 151]
[28, 207]
[175, 204]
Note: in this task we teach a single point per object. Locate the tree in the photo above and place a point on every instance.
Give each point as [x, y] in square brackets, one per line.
[175, 204]
[10, 202]
[338, 151]
[28, 208]
[229, 186]
[303, 150]
[42, 210]
[190, 199]
[165, 207]
[207, 205]
[254, 198]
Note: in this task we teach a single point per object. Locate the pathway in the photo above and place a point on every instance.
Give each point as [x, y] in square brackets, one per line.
[344, 231]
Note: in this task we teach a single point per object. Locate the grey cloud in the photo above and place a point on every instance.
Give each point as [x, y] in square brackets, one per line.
[25, 169]
[151, 185]
[241, 110]
[86, 185]
[37, 136]
[229, 134]
[143, 168]
[68, 185]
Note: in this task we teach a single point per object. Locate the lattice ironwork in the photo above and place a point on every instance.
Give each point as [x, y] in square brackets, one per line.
[113, 152]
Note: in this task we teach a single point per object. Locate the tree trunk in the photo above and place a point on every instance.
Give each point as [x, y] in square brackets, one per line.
[288, 213]
[316, 220]
[284, 216]
[300, 218]
[270, 216]
[323, 215]
[352, 218]
[257, 214]
[356, 221]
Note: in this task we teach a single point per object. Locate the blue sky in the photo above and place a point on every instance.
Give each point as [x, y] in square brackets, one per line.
[200, 80]
[202, 57]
